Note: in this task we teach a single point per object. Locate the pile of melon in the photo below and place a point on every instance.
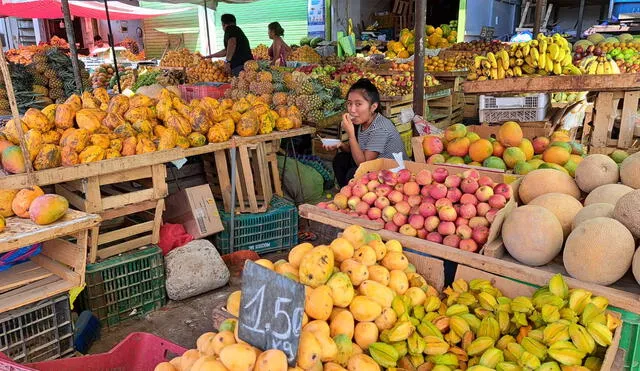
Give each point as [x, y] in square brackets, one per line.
[594, 219]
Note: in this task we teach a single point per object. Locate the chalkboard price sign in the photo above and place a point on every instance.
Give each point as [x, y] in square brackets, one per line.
[271, 310]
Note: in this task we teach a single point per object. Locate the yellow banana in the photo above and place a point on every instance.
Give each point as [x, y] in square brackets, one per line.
[542, 46]
[494, 73]
[557, 68]
[600, 68]
[549, 66]
[519, 54]
[566, 60]
[525, 49]
[554, 51]
[492, 59]
[505, 59]
[517, 71]
[542, 61]
[535, 56]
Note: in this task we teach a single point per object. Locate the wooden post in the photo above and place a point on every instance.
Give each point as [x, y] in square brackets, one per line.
[541, 7]
[68, 25]
[418, 83]
[113, 47]
[206, 22]
[580, 18]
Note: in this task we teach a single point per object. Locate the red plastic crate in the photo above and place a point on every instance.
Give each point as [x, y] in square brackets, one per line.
[190, 92]
[139, 351]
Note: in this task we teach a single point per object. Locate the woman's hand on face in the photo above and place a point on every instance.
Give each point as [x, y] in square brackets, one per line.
[347, 124]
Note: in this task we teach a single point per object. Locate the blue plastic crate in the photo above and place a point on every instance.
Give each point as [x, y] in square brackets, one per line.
[274, 230]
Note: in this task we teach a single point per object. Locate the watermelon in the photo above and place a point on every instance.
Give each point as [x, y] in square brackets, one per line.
[315, 41]
[446, 30]
[305, 41]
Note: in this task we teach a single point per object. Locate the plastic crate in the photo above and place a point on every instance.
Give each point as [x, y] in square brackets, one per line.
[519, 115]
[37, 332]
[406, 139]
[215, 91]
[630, 339]
[537, 101]
[125, 286]
[274, 230]
[139, 351]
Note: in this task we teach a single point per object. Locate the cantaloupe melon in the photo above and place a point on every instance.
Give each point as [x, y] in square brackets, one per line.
[635, 266]
[532, 235]
[608, 193]
[541, 181]
[596, 170]
[630, 171]
[563, 206]
[592, 211]
[599, 250]
[627, 212]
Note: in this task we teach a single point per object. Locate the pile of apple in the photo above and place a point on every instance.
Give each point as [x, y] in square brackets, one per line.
[452, 209]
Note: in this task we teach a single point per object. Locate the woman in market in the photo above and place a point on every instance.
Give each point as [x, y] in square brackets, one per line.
[279, 49]
[371, 135]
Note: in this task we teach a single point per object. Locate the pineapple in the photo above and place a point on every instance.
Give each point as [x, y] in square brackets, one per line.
[50, 74]
[251, 66]
[305, 88]
[4, 105]
[314, 116]
[259, 88]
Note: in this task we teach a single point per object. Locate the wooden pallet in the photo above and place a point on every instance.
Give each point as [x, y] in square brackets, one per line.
[471, 106]
[117, 195]
[614, 128]
[58, 268]
[443, 122]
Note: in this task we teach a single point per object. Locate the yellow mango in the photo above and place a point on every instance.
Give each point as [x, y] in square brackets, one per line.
[272, 360]
[395, 260]
[377, 292]
[233, 303]
[316, 266]
[331, 366]
[365, 255]
[342, 249]
[364, 308]
[221, 340]
[309, 350]
[342, 323]
[238, 357]
[298, 252]
[398, 281]
[365, 334]
[362, 362]
[356, 235]
[341, 289]
[318, 303]
[416, 295]
[379, 274]
[318, 328]
[356, 271]
[265, 263]
[380, 248]
[329, 349]
[386, 319]
[393, 245]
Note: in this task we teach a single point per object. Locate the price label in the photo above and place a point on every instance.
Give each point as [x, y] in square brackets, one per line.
[271, 310]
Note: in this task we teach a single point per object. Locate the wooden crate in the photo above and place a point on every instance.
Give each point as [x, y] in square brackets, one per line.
[471, 106]
[254, 180]
[58, 268]
[118, 195]
[616, 124]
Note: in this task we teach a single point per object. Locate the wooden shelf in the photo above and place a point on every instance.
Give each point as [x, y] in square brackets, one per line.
[626, 82]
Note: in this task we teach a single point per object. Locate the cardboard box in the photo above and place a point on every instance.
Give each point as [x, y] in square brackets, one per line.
[196, 210]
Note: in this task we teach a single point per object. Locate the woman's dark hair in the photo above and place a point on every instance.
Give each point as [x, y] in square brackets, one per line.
[369, 92]
[228, 19]
[276, 28]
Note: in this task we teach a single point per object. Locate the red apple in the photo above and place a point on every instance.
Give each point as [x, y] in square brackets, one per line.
[468, 245]
[447, 213]
[491, 215]
[373, 184]
[451, 240]
[424, 191]
[390, 226]
[464, 231]
[362, 208]
[469, 185]
[359, 190]
[369, 198]
[468, 198]
[422, 233]
[400, 219]
[468, 211]
[332, 207]
[374, 213]
[372, 175]
[461, 221]
[322, 205]
[395, 197]
[404, 176]
[497, 201]
[477, 221]
[416, 221]
[424, 177]
[340, 200]
[387, 177]
[403, 207]
[414, 200]
[438, 191]
[388, 212]
[382, 202]
[470, 174]
[452, 181]
[383, 190]
[484, 193]
[411, 188]
[431, 223]
[454, 194]
[346, 190]
[440, 174]
[480, 234]
[353, 201]
[443, 202]
[408, 230]
[485, 181]
[482, 208]
[428, 200]
[434, 237]
[399, 187]
[446, 228]
[503, 190]
[427, 210]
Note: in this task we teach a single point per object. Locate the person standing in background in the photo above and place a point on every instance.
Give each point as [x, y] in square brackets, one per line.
[236, 46]
[279, 49]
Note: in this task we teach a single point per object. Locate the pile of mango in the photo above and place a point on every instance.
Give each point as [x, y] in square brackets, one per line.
[366, 308]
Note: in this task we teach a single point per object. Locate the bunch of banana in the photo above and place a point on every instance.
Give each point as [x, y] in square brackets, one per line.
[475, 327]
[540, 57]
[602, 65]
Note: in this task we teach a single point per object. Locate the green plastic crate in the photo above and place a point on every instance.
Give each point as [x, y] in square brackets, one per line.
[630, 339]
[125, 286]
[274, 230]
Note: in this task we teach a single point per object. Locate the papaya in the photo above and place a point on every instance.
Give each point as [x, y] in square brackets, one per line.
[10, 131]
[88, 101]
[179, 123]
[317, 266]
[35, 119]
[50, 112]
[111, 153]
[51, 137]
[75, 138]
[124, 130]
[118, 104]
[199, 120]
[139, 114]
[100, 140]
[145, 145]
[91, 154]
[168, 139]
[143, 126]
[65, 116]
[182, 142]
[50, 156]
[69, 156]
[33, 141]
[197, 140]
[90, 119]
[140, 100]
[6, 200]
[113, 120]
[74, 101]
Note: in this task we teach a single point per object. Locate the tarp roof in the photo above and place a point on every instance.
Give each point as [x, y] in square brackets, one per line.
[210, 3]
[52, 9]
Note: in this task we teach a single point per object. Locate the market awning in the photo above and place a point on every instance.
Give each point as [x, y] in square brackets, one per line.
[52, 9]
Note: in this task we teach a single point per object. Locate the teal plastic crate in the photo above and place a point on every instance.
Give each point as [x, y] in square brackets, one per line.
[274, 230]
[125, 286]
[630, 338]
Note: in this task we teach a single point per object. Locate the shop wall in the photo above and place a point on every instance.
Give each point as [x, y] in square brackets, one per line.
[369, 7]
[254, 18]
[184, 26]
[119, 32]
[491, 13]
[568, 17]
[341, 11]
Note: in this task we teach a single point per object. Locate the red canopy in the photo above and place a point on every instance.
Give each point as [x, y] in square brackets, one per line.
[52, 9]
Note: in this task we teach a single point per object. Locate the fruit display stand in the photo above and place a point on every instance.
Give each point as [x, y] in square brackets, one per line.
[58, 268]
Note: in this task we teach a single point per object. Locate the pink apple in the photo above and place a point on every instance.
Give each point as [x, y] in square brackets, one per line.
[399, 187]
[322, 205]
[332, 207]
[369, 198]
[387, 177]
[362, 208]
[383, 190]
[428, 200]
[484, 193]
[468, 198]
[424, 177]
[374, 213]
[471, 174]
[416, 221]
[372, 175]
[464, 231]
[364, 180]
[388, 212]
[414, 200]
[443, 202]
[411, 189]
[403, 207]
[468, 211]
[422, 233]
[427, 210]
[346, 190]
[404, 176]
[359, 190]
[431, 223]
[353, 201]
[424, 191]
[447, 213]
[415, 210]
[491, 215]
[382, 202]
[454, 194]
[485, 181]
[497, 201]
[477, 221]
[446, 228]
[482, 208]
[440, 174]
[438, 191]
[354, 214]
[390, 226]
[408, 230]
[452, 181]
[461, 221]
[434, 237]
[503, 190]
[467, 244]
[451, 240]
[395, 197]
[373, 184]
[480, 234]
[469, 185]
[352, 182]
[400, 219]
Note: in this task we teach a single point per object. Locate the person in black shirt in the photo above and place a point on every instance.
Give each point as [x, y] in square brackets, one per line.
[236, 46]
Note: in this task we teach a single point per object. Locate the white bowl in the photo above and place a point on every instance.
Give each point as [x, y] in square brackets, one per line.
[330, 142]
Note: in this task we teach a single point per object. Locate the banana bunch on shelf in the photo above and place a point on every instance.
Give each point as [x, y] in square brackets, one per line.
[540, 57]
[602, 65]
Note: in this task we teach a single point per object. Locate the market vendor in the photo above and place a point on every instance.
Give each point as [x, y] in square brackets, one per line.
[371, 135]
[99, 46]
[279, 49]
[236, 46]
